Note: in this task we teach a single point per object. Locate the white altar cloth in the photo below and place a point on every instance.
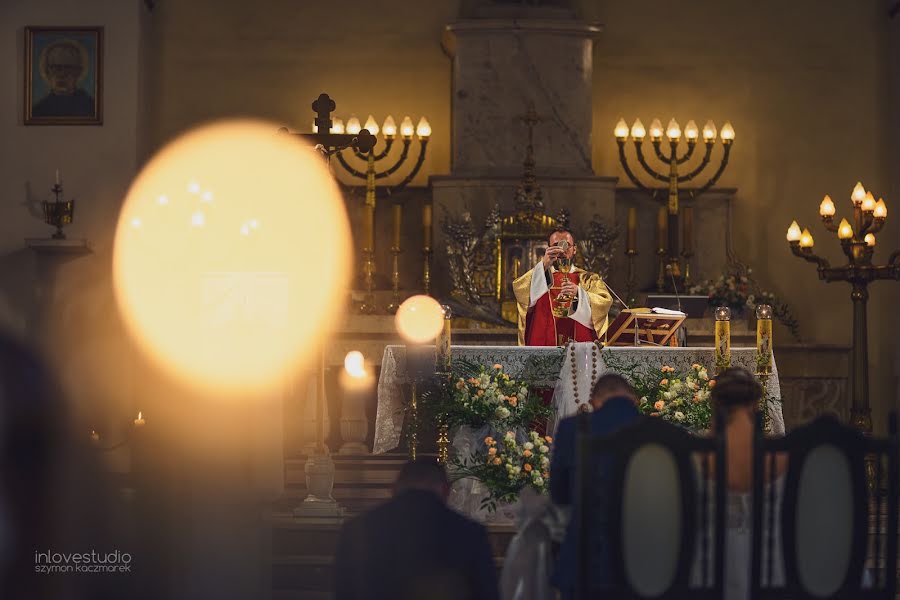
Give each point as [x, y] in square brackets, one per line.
[554, 370]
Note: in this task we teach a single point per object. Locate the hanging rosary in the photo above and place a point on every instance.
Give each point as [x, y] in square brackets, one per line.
[595, 352]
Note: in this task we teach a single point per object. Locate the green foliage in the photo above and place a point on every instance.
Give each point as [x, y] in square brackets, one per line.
[507, 467]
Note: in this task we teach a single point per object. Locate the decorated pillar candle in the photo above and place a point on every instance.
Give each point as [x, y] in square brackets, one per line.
[723, 338]
[662, 228]
[426, 225]
[632, 229]
[764, 339]
[687, 230]
[398, 216]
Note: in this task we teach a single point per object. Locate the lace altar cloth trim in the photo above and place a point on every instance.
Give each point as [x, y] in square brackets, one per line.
[553, 371]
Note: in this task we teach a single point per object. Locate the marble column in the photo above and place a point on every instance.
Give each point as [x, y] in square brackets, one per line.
[504, 60]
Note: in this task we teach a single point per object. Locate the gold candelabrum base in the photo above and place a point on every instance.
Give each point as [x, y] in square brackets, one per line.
[443, 441]
[395, 280]
[412, 435]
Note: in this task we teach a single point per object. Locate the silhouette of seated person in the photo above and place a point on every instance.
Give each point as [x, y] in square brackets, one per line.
[614, 405]
[414, 546]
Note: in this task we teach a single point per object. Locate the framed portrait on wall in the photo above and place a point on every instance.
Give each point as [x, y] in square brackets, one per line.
[63, 75]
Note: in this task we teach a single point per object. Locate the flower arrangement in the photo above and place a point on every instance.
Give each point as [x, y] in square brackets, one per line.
[491, 397]
[737, 289]
[681, 398]
[506, 467]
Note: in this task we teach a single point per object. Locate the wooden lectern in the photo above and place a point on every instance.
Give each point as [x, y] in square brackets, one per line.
[636, 326]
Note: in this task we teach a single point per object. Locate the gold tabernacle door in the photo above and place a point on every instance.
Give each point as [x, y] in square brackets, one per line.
[634, 326]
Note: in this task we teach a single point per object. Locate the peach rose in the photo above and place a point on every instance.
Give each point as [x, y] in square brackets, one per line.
[492, 451]
[489, 441]
[527, 453]
[496, 461]
[527, 468]
[664, 382]
[712, 383]
[480, 393]
[654, 414]
[549, 439]
[513, 401]
[659, 405]
[498, 366]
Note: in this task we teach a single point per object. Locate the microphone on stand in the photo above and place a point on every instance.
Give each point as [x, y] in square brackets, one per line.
[682, 331]
[674, 286]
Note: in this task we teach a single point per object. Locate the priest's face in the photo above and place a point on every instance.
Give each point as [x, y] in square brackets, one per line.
[559, 236]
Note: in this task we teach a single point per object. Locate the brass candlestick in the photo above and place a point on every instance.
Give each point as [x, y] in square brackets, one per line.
[661, 277]
[395, 280]
[858, 243]
[58, 213]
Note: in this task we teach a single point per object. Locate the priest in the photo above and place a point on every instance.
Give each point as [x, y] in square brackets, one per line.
[558, 302]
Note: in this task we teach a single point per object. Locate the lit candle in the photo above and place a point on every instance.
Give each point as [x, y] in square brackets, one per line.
[632, 229]
[139, 422]
[764, 339]
[426, 225]
[793, 232]
[662, 227]
[95, 437]
[722, 338]
[687, 229]
[398, 215]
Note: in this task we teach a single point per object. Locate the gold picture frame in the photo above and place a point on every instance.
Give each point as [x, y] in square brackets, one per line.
[63, 76]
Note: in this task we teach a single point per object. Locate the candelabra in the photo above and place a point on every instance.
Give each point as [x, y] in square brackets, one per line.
[672, 252]
[370, 176]
[858, 243]
[58, 213]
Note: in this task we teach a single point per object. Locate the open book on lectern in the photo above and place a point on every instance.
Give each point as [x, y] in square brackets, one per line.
[636, 326]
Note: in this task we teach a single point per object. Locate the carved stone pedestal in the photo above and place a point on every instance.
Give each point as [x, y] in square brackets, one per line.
[319, 504]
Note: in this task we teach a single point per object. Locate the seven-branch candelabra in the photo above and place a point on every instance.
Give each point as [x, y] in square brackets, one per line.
[668, 248]
[389, 132]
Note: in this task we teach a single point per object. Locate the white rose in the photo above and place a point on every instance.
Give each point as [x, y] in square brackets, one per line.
[669, 395]
[510, 436]
[679, 416]
[703, 374]
[529, 446]
[644, 399]
[544, 449]
[545, 462]
[538, 480]
[502, 412]
[517, 470]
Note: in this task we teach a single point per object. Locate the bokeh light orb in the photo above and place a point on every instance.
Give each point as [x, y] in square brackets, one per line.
[355, 364]
[419, 319]
[232, 255]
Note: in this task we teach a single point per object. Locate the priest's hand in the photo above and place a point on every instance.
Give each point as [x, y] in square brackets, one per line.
[550, 256]
[569, 289]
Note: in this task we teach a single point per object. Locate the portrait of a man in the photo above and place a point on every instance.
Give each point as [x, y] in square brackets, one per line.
[63, 75]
